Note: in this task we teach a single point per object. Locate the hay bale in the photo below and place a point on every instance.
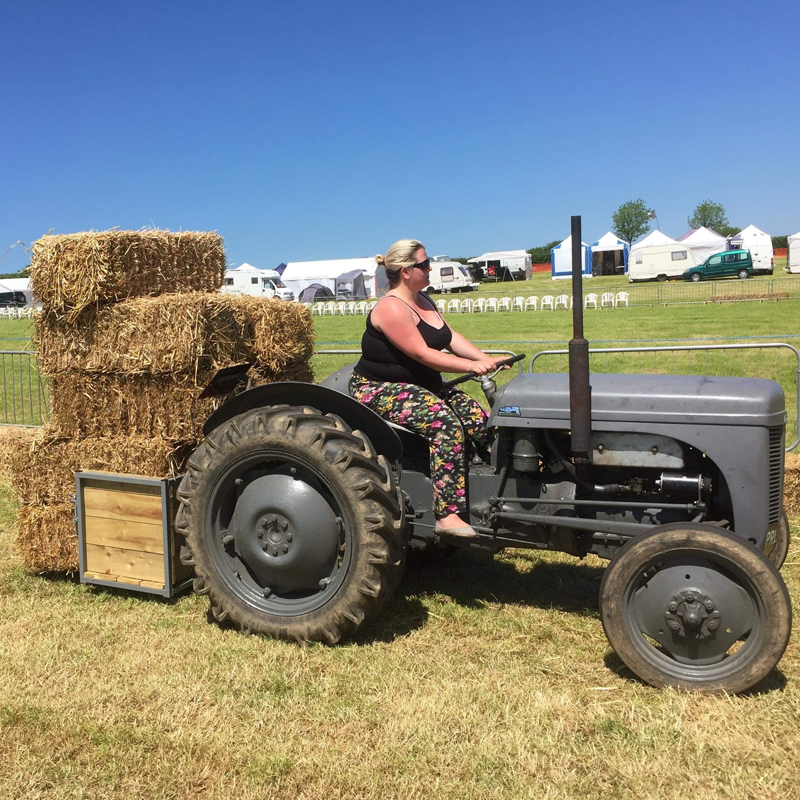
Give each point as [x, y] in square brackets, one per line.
[129, 405]
[70, 273]
[12, 440]
[177, 334]
[143, 405]
[46, 537]
[45, 471]
[791, 484]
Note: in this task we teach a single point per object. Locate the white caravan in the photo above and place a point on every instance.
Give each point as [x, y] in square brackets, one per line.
[251, 280]
[659, 263]
[760, 246]
[449, 276]
[504, 264]
[793, 253]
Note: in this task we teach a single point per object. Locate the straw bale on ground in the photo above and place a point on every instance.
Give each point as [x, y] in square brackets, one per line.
[70, 273]
[46, 537]
[12, 440]
[44, 472]
[791, 484]
[177, 334]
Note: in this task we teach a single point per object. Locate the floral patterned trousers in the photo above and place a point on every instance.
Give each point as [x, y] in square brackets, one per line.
[453, 423]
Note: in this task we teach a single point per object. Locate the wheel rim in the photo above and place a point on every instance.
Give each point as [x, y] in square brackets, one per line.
[277, 534]
[687, 626]
[695, 277]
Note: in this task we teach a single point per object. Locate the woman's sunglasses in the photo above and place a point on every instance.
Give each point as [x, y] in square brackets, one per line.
[425, 265]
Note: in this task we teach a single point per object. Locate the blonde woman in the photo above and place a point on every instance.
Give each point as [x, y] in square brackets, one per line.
[399, 378]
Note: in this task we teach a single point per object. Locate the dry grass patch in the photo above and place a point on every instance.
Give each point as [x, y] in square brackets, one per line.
[480, 679]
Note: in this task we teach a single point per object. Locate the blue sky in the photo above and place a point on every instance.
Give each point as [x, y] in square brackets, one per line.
[311, 130]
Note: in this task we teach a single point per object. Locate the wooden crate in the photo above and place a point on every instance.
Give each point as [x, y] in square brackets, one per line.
[126, 533]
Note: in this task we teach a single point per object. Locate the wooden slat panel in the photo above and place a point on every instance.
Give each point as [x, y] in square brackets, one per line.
[152, 584]
[124, 504]
[146, 536]
[130, 564]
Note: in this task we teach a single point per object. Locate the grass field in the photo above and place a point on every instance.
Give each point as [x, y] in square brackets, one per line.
[481, 679]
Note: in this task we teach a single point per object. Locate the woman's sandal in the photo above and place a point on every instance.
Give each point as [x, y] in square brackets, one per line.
[462, 532]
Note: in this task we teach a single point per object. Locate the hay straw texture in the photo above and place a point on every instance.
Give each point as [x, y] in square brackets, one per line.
[44, 471]
[181, 334]
[70, 273]
[50, 543]
[142, 405]
[12, 440]
[791, 484]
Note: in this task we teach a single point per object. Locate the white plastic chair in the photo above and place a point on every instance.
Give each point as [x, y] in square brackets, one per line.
[590, 300]
[350, 308]
[479, 305]
[371, 305]
[453, 306]
[361, 307]
[491, 304]
[465, 306]
[329, 308]
[622, 297]
[547, 302]
[441, 305]
[519, 304]
[607, 300]
[504, 304]
[531, 303]
[562, 301]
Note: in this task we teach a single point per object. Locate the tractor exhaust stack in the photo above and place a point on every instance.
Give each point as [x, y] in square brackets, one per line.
[580, 392]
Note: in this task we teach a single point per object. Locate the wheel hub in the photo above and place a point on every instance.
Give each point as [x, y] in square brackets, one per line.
[285, 533]
[692, 614]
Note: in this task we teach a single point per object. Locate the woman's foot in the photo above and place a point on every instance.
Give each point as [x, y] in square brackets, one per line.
[453, 525]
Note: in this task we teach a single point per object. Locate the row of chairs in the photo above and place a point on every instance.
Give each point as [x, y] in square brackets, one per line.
[480, 305]
[16, 313]
[533, 303]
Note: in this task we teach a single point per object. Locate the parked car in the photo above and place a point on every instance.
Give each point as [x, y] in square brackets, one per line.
[12, 299]
[722, 265]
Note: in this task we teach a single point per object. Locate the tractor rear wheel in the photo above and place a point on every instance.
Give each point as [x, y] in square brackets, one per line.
[294, 527]
[696, 608]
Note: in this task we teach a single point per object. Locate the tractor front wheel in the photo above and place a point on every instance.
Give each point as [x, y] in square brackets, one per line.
[293, 525]
[696, 608]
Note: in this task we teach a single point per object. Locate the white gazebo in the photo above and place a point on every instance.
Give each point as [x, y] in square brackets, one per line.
[561, 260]
[759, 244]
[704, 243]
[300, 274]
[609, 255]
[793, 253]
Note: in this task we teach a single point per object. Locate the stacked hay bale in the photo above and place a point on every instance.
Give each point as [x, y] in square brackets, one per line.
[791, 484]
[132, 328]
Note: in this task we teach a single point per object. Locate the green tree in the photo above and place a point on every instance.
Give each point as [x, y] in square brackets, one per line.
[632, 220]
[709, 214]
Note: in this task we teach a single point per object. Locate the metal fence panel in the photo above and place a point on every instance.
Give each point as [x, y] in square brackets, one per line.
[26, 393]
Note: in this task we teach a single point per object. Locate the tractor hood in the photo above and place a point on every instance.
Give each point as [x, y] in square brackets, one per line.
[534, 398]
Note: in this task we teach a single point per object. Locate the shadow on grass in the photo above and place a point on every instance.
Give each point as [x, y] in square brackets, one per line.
[472, 581]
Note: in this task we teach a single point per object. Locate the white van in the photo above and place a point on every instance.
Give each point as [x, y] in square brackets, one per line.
[449, 276]
[248, 279]
[660, 262]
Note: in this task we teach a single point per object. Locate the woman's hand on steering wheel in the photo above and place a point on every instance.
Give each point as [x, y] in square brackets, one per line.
[484, 365]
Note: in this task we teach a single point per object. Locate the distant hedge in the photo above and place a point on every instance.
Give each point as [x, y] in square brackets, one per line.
[780, 241]
[540, 255]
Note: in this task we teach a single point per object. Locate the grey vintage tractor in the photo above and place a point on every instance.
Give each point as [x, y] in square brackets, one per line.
[300, 505]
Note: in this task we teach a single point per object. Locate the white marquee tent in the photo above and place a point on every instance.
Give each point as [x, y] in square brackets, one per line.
[561, 259]
[793, 253]
[704, 243]
[17, 285]
[759, 244]
[609, 255]
[300, 274]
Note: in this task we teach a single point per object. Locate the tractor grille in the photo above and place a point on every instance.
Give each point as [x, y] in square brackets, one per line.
[775, 473]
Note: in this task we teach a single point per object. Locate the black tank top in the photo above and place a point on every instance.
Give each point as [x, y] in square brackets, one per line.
[382, 361]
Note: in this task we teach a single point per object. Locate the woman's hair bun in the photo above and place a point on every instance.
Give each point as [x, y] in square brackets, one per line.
[380, 260]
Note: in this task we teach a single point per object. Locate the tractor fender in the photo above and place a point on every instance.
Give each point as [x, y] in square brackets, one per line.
[328, 401]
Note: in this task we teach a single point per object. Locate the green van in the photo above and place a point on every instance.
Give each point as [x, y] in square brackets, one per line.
[722, 265]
